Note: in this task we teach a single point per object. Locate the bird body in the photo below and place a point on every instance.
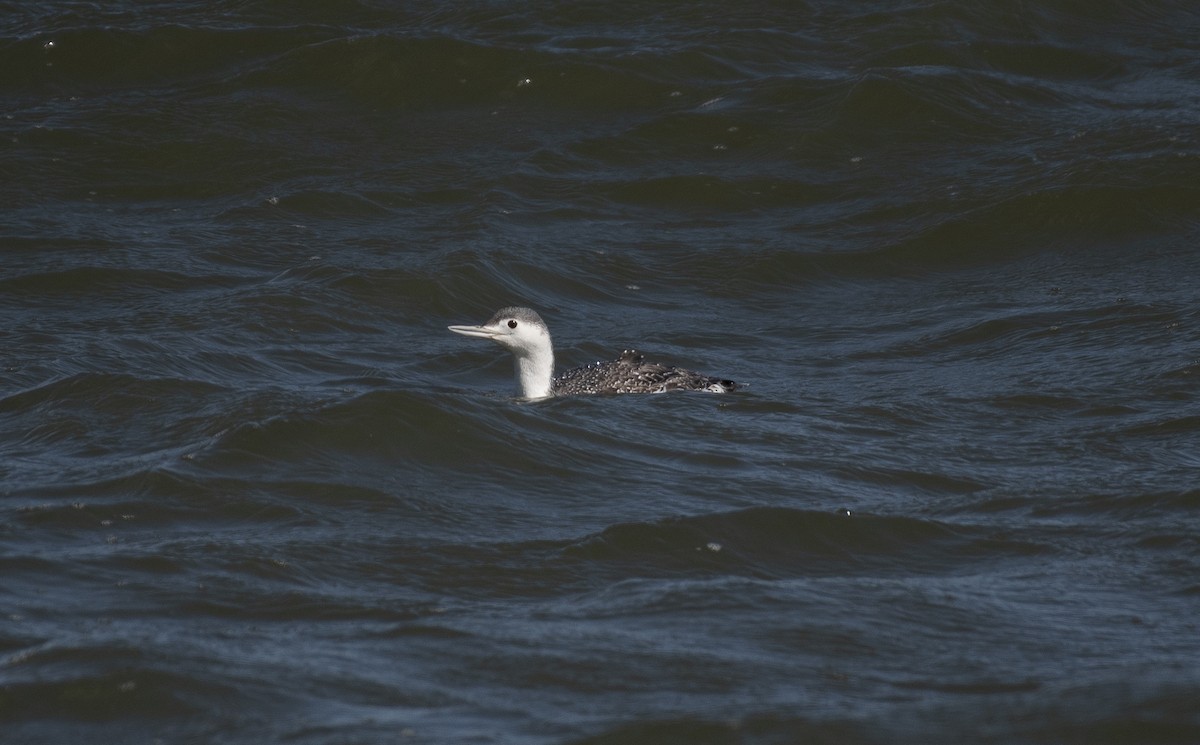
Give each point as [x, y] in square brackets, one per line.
[523, 332]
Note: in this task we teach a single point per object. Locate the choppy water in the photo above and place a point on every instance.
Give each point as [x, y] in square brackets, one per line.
[251, 489]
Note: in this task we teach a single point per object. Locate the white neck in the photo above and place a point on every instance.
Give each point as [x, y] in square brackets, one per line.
[535, 369]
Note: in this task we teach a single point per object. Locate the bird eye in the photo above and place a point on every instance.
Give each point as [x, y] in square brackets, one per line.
[512, 324]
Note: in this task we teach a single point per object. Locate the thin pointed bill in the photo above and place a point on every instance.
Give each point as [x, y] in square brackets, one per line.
[482, 332]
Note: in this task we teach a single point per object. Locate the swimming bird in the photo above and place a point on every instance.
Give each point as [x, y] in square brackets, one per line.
[523, 332]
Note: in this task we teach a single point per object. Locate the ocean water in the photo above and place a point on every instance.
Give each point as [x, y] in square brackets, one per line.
[253, 491]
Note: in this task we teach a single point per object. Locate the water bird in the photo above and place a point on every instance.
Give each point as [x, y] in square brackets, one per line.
[523, 332]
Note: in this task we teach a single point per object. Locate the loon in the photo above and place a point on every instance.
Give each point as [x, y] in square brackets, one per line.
[523, 332]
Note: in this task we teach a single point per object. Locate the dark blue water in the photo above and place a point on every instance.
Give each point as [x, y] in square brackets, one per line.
[252, 490]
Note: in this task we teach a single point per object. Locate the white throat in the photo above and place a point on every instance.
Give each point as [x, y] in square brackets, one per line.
[535, 371]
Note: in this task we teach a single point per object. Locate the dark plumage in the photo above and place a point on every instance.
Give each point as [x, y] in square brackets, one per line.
[630, 373]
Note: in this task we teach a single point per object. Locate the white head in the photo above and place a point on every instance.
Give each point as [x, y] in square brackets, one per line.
[522, 332]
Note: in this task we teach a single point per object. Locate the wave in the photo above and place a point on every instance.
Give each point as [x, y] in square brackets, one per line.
[135, 692]
[775, 541]
[755, 544]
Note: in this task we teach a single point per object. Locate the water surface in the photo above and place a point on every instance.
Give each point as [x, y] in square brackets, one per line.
[252, 490]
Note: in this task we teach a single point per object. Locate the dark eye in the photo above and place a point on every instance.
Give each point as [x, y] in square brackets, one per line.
[512, 324]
